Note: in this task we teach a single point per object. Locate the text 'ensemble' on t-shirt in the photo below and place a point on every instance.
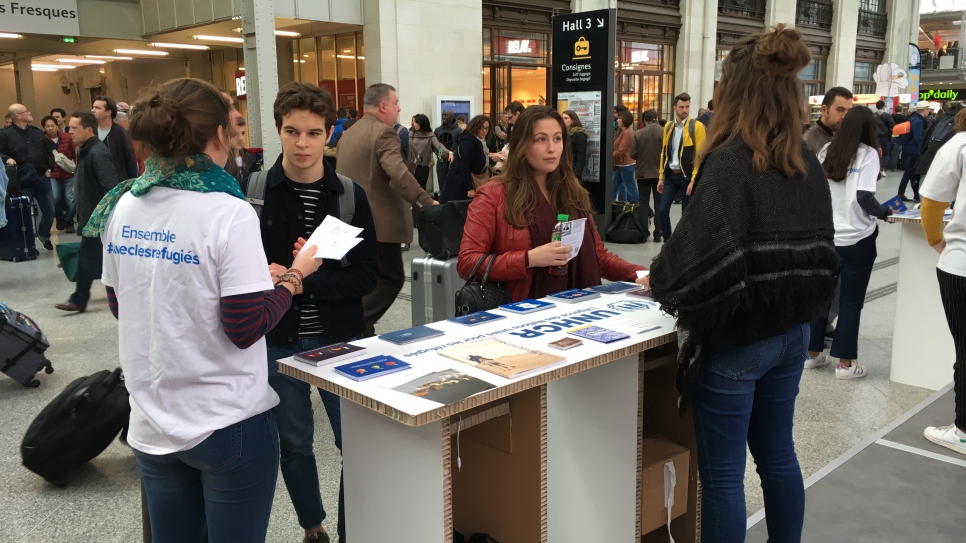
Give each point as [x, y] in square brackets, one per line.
[946, 182]
[170, 256]
[852, 223]
[310, 320]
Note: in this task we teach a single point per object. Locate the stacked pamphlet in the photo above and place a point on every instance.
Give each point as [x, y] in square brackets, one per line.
[499, 357]
[330, 354]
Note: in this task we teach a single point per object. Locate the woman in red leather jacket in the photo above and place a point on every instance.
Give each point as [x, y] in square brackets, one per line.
[514, 215]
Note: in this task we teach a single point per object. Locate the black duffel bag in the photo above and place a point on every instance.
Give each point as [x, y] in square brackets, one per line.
[441, 228]
[473, 296]
[77, 426]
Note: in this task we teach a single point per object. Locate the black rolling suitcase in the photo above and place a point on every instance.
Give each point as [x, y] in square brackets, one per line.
[77, 426]
[17, 237]
[22, 347]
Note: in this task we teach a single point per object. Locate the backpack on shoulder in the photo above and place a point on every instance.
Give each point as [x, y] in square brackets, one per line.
[627, 227]
[257, 185]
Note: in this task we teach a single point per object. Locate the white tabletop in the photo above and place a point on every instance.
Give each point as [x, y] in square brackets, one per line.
[532, 331]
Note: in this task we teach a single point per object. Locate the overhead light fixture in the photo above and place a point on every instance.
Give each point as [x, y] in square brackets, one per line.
[179, 45]
[239, 29]
[43, 69]
[225, 39]
[10, 35]
[298, 60]
[53, 66]
[287, 33]
[81, 61]
[141, 52]
[350, 56]
[109, 57]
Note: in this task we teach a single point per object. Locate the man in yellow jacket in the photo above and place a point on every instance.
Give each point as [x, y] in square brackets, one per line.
[683, 138]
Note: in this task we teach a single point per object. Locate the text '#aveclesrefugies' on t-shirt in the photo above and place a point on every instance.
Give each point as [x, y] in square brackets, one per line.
[163, 253]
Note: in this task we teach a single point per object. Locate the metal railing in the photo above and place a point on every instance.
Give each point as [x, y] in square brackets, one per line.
[814, 13]
[745, 8]
[872, 23]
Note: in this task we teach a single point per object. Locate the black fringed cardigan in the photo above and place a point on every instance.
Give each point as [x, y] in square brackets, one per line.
[752, 256]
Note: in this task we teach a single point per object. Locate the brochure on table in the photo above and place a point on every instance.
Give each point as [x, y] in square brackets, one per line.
[532, 331]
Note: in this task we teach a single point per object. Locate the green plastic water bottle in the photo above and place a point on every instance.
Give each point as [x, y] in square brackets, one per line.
[557, 234]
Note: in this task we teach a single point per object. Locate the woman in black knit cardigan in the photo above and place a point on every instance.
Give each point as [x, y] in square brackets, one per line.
[749, 266]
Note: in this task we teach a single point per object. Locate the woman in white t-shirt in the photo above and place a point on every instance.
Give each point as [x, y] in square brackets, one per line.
[945, 183]
[851, 163]
[188, 281]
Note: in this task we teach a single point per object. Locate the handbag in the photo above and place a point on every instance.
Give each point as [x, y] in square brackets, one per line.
[441, 228]
[473, 296]
[479, 179]
[65, 163]
[67, 254]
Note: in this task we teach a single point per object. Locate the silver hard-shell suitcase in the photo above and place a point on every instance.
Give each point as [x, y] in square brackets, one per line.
[434, 287]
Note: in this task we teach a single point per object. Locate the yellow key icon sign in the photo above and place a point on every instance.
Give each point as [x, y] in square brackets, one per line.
[581, 47]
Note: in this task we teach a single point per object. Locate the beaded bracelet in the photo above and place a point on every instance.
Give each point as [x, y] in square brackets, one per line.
[290, 278]
[296, 272]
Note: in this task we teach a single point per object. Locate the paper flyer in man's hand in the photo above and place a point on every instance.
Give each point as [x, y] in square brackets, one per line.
[334, 238]
[572, 234]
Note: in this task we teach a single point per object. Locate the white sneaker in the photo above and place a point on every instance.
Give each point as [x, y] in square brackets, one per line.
[852, 372]
[821, 360]
[946, 436]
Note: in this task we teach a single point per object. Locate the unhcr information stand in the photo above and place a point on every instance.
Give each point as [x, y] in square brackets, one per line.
[568, 453]
[583, 47]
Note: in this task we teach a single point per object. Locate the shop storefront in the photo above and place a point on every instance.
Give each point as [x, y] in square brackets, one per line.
[515, 68]
[645, 77]
[336, 63]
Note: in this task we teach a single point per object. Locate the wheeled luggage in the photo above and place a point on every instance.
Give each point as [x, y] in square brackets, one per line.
[22, 347]
[434, 287]
[77, 426]
[17, 237]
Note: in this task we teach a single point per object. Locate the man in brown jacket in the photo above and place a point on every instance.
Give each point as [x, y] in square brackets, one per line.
[646, 151]
[369, 155]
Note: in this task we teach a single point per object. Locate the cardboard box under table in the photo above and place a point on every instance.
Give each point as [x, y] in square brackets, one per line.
[553, 455]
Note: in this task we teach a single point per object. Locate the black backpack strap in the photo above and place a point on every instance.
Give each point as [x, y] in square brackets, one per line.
[347, 200]
[257, 185]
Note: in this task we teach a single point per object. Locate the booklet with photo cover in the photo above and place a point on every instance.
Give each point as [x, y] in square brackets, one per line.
[445, 387]
[330, 354]
[370, 368]
[499, 357]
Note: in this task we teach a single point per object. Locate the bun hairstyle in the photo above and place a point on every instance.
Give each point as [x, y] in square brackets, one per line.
[760, 100]
[179, 118]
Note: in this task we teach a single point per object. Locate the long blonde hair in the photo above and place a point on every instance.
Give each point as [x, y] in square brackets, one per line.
[566, 193]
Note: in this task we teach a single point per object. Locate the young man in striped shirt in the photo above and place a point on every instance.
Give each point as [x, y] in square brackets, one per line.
[301, 189]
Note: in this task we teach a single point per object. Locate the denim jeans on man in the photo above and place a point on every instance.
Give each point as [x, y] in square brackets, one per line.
[90, 259]
[909, 174]
[41, 192]
[624, 182]
[746, 395]
[63, 194]
[226, 482]
[674, 184]
[296, 434]
[856, 270]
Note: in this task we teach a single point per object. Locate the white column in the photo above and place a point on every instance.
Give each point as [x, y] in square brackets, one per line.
[903, 29]
[591, 5]
[425, 50]
[23, 77]
[780, 11]
[261, 74]
[694, 64]
[840, 71]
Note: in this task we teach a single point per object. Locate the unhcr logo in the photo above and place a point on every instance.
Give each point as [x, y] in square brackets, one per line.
[632, 305]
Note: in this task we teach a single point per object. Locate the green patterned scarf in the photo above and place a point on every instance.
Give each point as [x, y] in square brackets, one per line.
[196, 172]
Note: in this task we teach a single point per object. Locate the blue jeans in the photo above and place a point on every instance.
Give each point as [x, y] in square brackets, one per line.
[63, 195]
[674, 184]
[296, 434]
[226, 482]
[41, 192]
[624, 181]
[856, 270]
[747, 395]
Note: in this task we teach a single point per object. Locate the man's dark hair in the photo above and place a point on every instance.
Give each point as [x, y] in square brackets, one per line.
[58, 110]
[515, 107]
[834, 93]
[47, 118]
[649, 116]
[109, 104]
[304, 96]
[683, 97]
[240, 121]
[87, 119]
[339, 113]
[880, 105]
[710, 105]
[461, 118]
[353, 113]
[620, 107]
[7, 115]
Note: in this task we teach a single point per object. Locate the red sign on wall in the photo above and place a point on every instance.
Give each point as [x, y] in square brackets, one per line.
[516, 47]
